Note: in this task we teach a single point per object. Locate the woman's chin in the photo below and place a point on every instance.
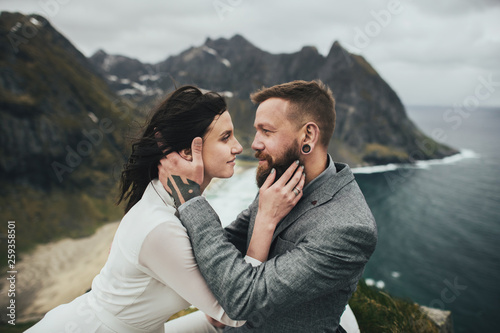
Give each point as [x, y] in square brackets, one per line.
[222, 174]
[228, 174]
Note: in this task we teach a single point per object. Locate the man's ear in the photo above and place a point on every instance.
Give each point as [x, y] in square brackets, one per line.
[186, 154]
[311, 135]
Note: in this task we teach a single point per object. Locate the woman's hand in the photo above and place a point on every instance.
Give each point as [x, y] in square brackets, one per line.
[180, 177]
[275, 202]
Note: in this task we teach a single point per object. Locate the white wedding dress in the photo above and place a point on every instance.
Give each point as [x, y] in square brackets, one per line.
[150, 274]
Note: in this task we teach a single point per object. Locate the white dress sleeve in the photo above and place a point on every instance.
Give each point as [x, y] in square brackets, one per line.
[167, 252]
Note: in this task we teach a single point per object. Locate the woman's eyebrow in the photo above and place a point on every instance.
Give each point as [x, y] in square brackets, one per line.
[225, 133]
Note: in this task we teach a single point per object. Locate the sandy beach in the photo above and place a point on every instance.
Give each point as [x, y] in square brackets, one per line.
[56, 273]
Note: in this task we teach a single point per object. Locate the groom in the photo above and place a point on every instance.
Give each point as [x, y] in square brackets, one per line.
[319, 249]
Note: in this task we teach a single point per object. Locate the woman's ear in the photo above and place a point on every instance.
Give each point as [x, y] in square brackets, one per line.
[158, 139]
[186, 154]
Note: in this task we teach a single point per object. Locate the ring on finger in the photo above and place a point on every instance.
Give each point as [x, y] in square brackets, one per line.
[296, 191]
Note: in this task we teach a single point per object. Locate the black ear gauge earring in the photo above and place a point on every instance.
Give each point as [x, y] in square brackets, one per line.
[306, 149]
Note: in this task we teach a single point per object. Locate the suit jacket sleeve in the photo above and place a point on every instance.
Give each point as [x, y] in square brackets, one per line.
[307, 271]
[237, 231]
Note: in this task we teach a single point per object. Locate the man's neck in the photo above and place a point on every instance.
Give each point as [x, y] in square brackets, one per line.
[315, 165]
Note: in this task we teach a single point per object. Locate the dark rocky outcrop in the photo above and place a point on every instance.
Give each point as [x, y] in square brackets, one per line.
[61, 132]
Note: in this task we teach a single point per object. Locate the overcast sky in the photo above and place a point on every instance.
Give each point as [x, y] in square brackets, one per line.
[431, 52]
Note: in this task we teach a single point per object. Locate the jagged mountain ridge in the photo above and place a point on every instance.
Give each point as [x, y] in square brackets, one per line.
[372, 125]
[64, 130]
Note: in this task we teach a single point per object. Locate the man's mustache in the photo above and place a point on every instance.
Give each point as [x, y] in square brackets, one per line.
[263, 156]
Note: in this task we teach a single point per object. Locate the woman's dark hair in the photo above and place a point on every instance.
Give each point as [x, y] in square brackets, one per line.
[184, 115]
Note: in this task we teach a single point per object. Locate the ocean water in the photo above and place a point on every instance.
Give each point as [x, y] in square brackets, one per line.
[438, 221]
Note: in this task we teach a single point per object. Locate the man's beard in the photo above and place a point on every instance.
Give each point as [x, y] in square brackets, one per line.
[281, 164]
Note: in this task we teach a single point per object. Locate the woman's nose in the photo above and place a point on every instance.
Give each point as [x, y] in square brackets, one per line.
[237, 149]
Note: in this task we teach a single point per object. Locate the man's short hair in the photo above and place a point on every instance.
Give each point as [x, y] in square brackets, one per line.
[309, 101]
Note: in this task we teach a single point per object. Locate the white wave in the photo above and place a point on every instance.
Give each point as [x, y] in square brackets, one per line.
[127, 92]
[370, 282]
[464, 154]
[375, 168]
[395, 274]
[231, 196]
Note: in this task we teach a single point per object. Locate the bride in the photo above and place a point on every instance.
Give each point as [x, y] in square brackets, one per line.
[151, 272]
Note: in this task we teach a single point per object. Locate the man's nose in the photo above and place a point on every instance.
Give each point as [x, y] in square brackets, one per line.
[257, 144]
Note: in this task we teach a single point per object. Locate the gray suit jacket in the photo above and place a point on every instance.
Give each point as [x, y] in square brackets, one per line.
[317, 256]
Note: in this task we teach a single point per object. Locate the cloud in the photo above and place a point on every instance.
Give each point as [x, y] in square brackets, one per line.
[448, 42]
[455, 7]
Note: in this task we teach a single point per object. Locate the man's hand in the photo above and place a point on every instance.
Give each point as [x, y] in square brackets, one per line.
[180, 177]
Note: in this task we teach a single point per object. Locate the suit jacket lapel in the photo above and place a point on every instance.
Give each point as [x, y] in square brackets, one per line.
[324, 193]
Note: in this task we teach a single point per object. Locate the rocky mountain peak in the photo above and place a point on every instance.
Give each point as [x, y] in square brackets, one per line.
[309, 50]
[99, 56]
[239, 40]
[236, 45]
[64, 119]
[372, 125]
